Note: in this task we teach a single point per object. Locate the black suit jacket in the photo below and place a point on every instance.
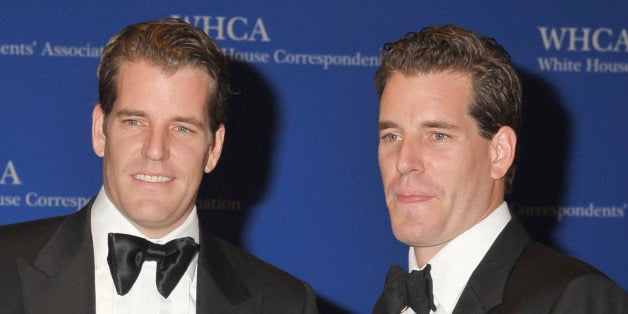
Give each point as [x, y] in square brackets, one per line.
[47, 266]
[518, 275]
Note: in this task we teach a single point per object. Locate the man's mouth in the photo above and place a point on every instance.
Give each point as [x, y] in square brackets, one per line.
[410, 198]
[153, 179]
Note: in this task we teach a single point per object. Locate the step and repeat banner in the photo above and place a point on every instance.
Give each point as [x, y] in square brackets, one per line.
[298, 184]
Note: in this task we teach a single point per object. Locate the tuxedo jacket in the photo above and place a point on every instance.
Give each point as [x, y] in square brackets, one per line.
[518, 275]
[47, 266]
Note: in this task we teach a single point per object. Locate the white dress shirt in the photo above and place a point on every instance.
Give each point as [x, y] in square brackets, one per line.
[143, 297]
[453, 265]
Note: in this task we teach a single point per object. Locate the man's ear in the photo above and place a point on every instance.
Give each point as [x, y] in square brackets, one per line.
[98, 133]
[215, 149]
[503, 147]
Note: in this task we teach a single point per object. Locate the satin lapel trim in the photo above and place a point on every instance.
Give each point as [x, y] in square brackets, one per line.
[488, 281]
[218, 281]
[61, 278]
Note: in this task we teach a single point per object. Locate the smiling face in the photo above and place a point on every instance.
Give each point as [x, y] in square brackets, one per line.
[157, 144]
[440, 176]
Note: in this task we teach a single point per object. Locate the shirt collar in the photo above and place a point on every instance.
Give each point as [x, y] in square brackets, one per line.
[105, 218]
[449, 274]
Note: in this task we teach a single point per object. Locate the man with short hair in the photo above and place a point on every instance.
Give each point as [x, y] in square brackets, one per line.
[137, 247]
[450, 111]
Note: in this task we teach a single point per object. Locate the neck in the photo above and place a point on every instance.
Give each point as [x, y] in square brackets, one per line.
[156, 231]
[424, 253]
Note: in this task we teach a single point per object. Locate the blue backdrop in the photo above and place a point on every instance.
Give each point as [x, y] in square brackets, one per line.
[298, 183]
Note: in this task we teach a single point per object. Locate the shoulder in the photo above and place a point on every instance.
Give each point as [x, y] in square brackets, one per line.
[552, 264]
[591, 294]
[250, 265]
[26, 236]
[544, 278]
[278, 287]
[25, 239]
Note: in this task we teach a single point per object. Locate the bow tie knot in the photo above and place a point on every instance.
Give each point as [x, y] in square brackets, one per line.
[405, 289]
[127, 254]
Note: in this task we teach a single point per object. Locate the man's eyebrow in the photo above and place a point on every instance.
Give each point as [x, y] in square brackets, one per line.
[189, 120]
[437, 124]
[381, 125]
[130, 112]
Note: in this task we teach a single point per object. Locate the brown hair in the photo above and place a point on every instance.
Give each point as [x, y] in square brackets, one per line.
[497, 91]
[169, 44]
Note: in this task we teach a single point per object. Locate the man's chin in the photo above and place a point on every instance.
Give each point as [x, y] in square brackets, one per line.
[412, 234]
[409, 237]
[147, 214]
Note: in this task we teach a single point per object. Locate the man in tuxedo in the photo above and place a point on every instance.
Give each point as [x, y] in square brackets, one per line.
[137, 247]
[450, 111]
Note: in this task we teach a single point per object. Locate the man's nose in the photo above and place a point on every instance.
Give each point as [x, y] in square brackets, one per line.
[156, 145]
[409, 157]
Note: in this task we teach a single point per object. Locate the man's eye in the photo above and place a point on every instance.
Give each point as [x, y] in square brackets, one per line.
[440, 136]
[390, 137]
[132, 122]
[183, 129]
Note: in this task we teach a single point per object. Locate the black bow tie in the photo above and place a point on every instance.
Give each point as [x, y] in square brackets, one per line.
[405, 289]
[127, 253]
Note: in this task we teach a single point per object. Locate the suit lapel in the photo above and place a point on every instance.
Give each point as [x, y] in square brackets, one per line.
[220, 288]
[485, 289]
[61, 277]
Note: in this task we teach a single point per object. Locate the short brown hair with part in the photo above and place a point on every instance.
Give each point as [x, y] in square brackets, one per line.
[169, 44]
